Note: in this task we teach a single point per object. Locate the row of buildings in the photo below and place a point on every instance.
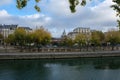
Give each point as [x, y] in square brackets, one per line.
[78, 30]
[72, 34]
[5, 30]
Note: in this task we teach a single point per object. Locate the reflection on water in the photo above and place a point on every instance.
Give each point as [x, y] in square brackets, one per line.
[61, 69]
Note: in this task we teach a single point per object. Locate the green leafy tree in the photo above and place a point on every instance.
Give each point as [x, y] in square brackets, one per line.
[73, 3]
[64, 41]
[116, 7]
[113, 37]
[69, 42]
[10, 39]
[97, 38]
[20, 36]
[41, 37]
[81, 39]
[22, 3]
[30, 38]
[47, 38]
[1, 38]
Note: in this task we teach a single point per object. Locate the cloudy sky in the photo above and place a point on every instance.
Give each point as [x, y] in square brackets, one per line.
[56, 16]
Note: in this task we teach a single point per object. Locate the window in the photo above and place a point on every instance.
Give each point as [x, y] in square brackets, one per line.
[11, 28]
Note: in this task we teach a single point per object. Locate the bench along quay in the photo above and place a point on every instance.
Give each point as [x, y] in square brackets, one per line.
[58, 55]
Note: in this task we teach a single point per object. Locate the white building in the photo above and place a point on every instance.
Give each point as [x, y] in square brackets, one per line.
[72, 35]
[79, 30]
[5, 30]
[82, 30]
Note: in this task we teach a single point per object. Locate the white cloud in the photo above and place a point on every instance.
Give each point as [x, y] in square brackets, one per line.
[3, 13]
[56, 17]
[26, 20]
[99, 16]
[34, 16]
[59, 7]
[35, 20]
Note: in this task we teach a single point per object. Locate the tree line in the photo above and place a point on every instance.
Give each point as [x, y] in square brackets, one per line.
[41, 37]
[23, 38]
[95, 39]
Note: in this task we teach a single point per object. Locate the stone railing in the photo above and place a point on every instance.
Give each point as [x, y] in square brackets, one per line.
[83, 49]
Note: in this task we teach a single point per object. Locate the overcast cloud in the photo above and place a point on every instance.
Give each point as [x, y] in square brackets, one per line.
[56, 16]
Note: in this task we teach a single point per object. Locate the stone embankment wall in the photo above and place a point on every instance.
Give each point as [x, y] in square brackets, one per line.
[35, 50]
[58, 55]
[13, 53]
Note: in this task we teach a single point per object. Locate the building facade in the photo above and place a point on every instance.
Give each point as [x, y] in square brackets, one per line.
[82, 30]
[27, 29]
[79, 30]
[5, 30]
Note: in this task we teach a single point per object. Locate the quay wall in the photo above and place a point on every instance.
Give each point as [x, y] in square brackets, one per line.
[59, 55]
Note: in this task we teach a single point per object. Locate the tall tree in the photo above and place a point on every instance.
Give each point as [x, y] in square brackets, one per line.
[22, 3]
[41, 37]
[30, 38]
[69, 42]
[73, 3]
[1, 38]
[116, 7]
[112, 37]
[20, 35]
[81, 39]
[10, 39]
[97, 37]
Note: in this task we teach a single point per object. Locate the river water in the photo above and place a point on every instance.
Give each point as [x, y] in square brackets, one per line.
[61, 69]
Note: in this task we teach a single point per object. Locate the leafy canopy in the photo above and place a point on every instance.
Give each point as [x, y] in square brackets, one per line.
[22, 3]
[116, 7]
[113, 37]
[73, 3]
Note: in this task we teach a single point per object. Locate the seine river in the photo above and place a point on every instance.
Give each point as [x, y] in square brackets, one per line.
[61, 69]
